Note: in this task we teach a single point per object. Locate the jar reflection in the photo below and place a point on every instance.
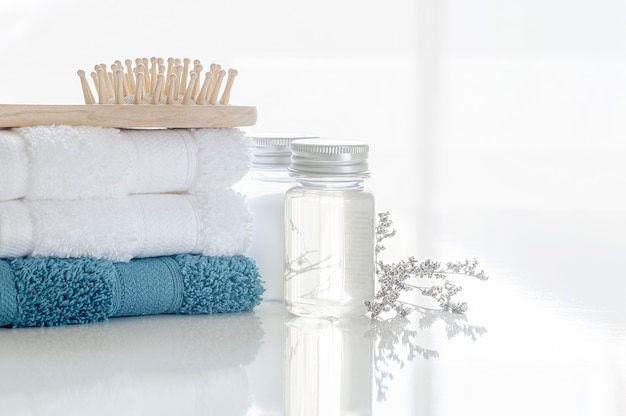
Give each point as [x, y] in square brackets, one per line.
[328, 367]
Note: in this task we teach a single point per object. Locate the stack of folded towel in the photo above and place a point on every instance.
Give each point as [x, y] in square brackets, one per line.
[100, 222]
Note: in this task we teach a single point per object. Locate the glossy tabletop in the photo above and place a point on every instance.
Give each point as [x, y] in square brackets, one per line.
[545, 335]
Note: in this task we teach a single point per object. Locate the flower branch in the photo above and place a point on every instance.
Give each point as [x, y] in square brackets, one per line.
[394, 278]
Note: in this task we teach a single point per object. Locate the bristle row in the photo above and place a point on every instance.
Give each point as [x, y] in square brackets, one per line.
[151, 81]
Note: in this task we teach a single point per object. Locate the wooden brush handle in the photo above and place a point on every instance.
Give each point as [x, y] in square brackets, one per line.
[128, 115]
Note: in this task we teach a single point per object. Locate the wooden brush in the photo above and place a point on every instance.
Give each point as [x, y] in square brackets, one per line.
[143, 93]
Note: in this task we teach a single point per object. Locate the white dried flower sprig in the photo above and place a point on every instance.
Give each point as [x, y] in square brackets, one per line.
[394, 278]
[383, 231]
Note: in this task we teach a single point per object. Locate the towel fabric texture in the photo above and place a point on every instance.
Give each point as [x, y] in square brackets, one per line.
[215, 223]
[100, 222]
[82, 162]
[53, 291]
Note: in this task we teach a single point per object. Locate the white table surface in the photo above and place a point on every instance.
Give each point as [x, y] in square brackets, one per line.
[546, 335]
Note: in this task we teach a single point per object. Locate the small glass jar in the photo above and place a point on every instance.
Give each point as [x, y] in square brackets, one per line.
[329, 230]
[265, 190]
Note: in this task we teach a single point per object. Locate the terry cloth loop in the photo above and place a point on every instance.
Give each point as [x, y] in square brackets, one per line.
[8, 295]
[76, 162]
[224, 157]
[14, 166]
[88, 228]
[16, 229]
[88, 162]
[53, 291]
[147, 225]
[235, 285]
[224, 222]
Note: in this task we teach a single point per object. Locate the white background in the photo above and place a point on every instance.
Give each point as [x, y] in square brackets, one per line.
[514, 106]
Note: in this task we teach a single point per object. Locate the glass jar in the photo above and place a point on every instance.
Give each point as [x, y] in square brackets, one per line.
[265, 190]
[329, 230]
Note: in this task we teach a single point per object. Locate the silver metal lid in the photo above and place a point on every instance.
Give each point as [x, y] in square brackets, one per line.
[326, 157]
[271, 151]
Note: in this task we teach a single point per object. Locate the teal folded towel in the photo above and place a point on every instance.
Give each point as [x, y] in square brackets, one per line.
[53, 291]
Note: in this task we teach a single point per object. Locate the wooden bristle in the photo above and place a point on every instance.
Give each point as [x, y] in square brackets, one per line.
[170, 68]
[170, 90]
[198, 70]
[177, 85]
[140, 89]
[183, 80]
[130, 76]
[215, 69]
[94, 78]
[232, 73]
[107, 82]
[102, 88]
[157, 81]
[146, 75]
[205, 88]
[216, 87]
[126, 84]
[190, 88]
[156, 95]
[154, 65]
[87, 95]
[119, 86]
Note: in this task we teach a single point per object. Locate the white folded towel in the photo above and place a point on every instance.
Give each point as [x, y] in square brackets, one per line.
[82, 162]
[215, 223]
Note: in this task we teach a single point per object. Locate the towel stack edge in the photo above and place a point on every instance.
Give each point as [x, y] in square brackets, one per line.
[14, 164]
[8, 295]
[16, 229]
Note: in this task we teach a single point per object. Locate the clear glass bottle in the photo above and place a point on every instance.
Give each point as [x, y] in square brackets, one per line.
[329, 230]
[265, 190]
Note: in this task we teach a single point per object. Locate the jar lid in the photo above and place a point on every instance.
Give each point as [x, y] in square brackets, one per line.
[324, 157]
[272, 150]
